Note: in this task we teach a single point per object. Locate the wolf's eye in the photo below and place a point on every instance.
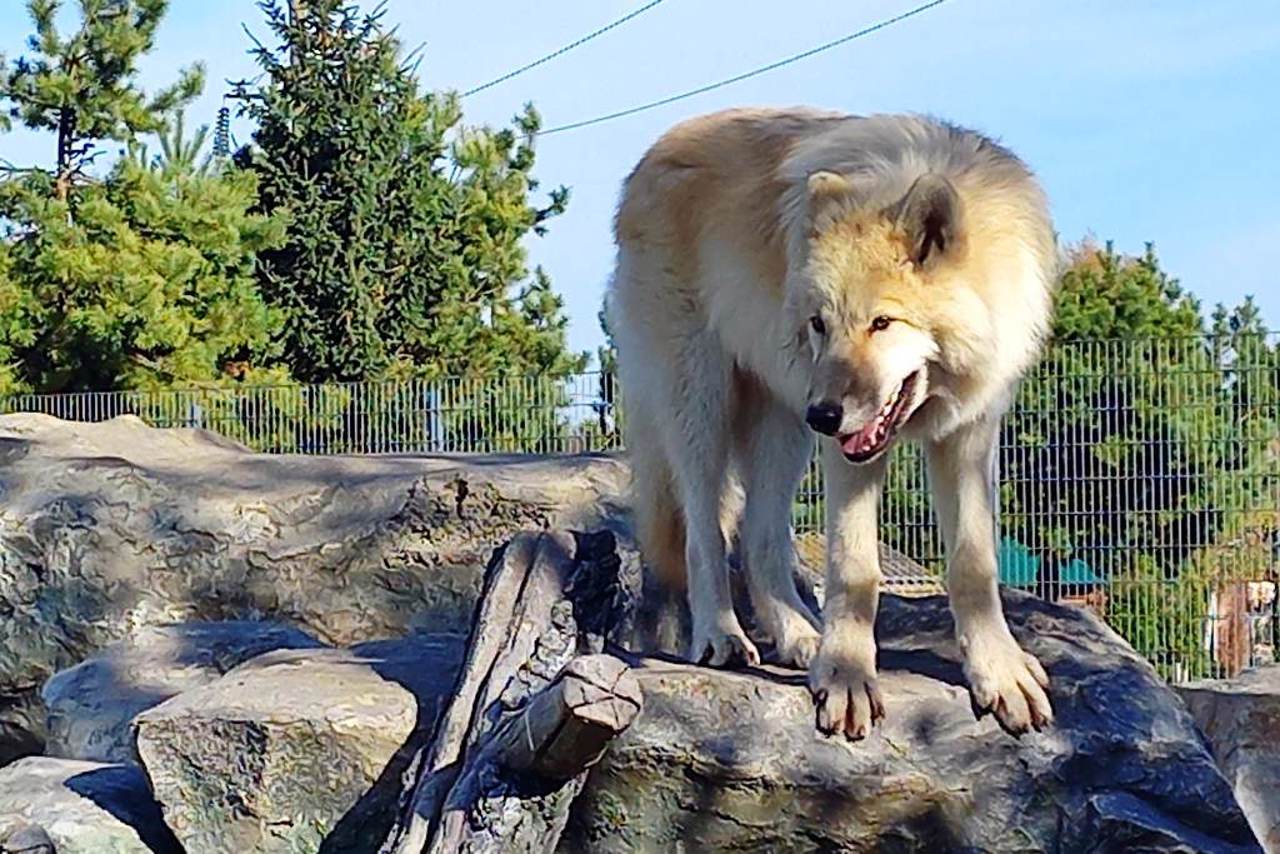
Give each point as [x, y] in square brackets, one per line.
[881, 323]
[817, 324]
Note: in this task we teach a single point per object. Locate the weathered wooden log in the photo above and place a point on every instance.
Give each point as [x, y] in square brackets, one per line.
[535, 704]
[565, 729]
[538, 758]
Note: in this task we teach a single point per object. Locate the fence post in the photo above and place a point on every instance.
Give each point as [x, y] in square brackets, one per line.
[434, 419]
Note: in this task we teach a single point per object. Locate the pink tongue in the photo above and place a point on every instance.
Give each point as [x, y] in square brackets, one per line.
[854, 443]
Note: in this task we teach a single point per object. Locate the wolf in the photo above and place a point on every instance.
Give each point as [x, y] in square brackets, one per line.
[789, 274]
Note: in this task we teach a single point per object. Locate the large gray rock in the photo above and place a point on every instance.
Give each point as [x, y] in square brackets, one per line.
[26, 838]
[83, 807]
[722, 760]
[108, 527]
[296, 749]
[91, 706]
[1241, 718]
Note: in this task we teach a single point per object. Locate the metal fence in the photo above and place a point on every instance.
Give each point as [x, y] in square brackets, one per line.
[1140, 478]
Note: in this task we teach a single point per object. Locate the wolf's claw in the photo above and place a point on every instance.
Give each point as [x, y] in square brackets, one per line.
[721, 648]
[1006, 681]
[793, 632]
[845, 693]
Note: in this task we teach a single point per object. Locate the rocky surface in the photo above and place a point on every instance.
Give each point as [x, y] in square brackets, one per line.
[26, 839]
[1241, 718]
[81, 807]
[723, 760]
[109, 527]
[296, 749]
[91, 706]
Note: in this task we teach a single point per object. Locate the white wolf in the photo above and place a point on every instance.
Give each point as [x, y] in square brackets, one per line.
[871, 277]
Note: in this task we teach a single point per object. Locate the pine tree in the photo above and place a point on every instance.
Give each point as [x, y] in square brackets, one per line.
[404, 253]
[152, 283]
[140, 277]
[82, 86]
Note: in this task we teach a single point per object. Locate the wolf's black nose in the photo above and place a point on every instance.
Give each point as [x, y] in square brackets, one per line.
[825, 417]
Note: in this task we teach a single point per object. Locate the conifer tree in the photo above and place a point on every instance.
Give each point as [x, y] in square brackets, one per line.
[82, 86]
[404, 254]
[131, 275]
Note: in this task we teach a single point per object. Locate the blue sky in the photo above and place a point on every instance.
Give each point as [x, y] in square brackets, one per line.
[1145, 120]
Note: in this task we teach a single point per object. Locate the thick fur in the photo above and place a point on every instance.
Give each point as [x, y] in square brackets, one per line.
[893, 269]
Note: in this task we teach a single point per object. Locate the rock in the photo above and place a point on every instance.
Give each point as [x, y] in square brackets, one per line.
[27, 839]
[91, 706]
[21, 722]
[1241, 718]
[721, 760]
[108, 527]
[82, 808]
[296, 748]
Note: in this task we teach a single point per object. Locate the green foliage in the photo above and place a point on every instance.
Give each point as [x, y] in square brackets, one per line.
[178, 153]
[140, 278]
[151, 283]
[404, 253]
[1140, 444]
[1142, 405]
[1104, 295]
[82, 86]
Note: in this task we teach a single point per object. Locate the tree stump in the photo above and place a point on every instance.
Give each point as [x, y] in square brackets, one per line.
[537, 703]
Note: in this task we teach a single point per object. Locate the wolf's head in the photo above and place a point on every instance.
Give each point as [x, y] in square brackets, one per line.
[874, 306]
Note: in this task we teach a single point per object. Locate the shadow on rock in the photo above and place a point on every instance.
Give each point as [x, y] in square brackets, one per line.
[115, 790]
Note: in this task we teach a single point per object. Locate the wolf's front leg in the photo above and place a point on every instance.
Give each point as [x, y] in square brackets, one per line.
[1002, 678]
[843, 676]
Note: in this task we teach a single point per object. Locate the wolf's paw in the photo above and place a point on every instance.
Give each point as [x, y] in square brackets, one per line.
[719, 645]
[798, 650]
[845, 693]
[1005, 680]
[793, 631]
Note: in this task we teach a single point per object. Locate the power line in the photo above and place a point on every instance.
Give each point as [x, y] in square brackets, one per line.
[588, 37]
[671, 99]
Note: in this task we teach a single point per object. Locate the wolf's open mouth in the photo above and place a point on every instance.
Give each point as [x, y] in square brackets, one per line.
[872, 439]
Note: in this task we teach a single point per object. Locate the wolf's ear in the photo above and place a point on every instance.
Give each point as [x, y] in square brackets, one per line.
[830, 195]
[931, 216]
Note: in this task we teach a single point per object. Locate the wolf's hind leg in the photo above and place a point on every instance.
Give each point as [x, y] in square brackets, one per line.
[696, 439]
[773, 447]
